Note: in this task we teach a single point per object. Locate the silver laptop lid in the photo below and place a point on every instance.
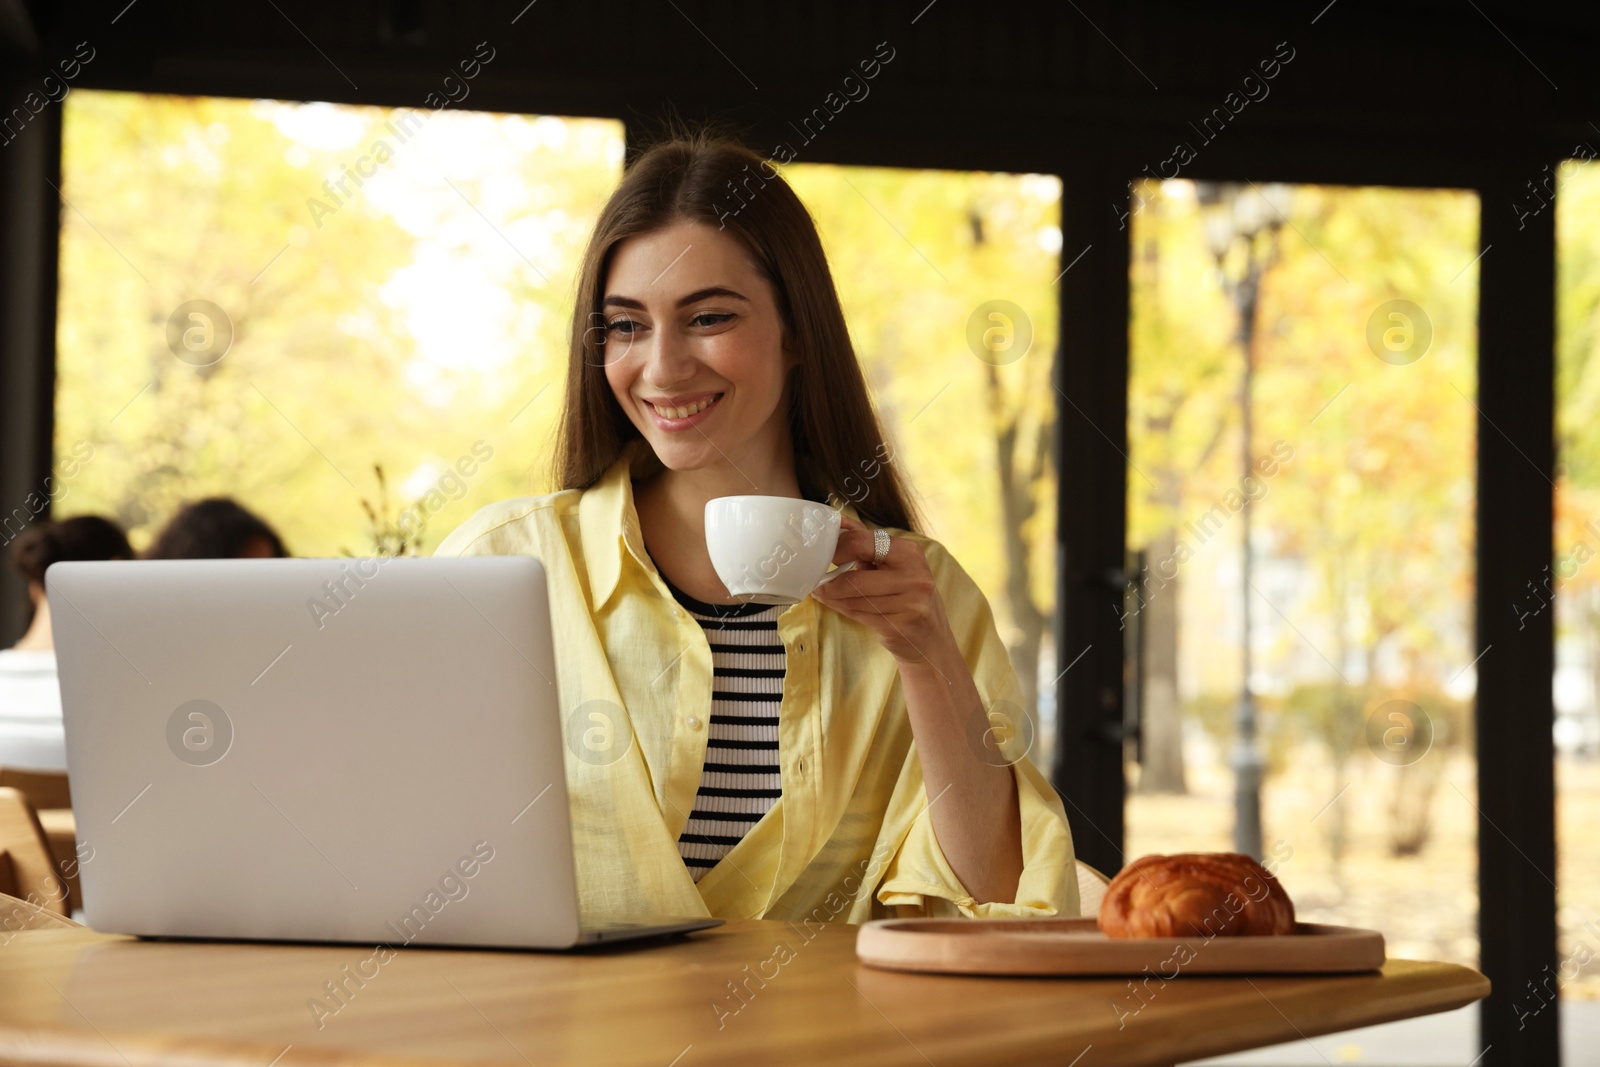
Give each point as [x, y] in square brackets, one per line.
[352, 750]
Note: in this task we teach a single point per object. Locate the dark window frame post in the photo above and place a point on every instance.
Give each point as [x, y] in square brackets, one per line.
[1091, 385]
[1515, 710]
[30, 211]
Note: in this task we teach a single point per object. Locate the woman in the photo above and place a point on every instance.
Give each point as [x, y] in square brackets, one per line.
[735, 759]
[32, 736]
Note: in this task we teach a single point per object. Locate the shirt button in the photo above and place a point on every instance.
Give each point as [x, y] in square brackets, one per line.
[693, 722]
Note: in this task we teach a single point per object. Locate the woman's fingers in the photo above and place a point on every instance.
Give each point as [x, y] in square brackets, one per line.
[890, 605]
[864, 583]
[855, 542]
[865, 609]
[897, 598]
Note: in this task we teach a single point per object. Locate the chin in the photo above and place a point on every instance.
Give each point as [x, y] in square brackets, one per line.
[683, 455]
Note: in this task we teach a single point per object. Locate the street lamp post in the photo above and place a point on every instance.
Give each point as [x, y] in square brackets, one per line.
[1237, 216]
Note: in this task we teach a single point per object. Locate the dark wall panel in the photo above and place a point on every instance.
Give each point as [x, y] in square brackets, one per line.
[29, 208]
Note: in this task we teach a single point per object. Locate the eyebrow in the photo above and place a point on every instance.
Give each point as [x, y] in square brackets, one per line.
[683, 301]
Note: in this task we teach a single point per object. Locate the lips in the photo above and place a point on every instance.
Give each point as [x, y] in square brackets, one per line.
[680, 413]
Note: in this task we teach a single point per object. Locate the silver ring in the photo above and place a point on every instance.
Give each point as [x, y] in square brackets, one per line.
[880, 545]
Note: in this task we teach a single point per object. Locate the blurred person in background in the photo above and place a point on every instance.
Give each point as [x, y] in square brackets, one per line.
[216, 528]
[31, 732]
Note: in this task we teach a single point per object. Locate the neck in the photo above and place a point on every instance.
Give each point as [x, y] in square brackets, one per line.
[671, 505]
[686, 492]
[37, 639]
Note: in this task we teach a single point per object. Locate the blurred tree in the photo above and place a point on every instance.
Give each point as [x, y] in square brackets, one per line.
[1181, 405]
[1370, 515]
[156, 189]
[1411, 807]
[914, 255]
[1574, 574]
[1373, 502]
[398, 327]
[1380, 512]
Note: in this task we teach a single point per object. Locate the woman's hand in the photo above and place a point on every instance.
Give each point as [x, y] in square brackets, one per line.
[897, 598]
[980, 833]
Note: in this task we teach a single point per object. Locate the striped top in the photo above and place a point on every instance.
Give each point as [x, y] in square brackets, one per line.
[740, 781]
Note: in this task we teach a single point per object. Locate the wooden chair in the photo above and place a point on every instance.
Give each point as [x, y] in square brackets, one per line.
[52, 801]
[45, 789]
[17, 915]
[1091, 890]
[27, 864]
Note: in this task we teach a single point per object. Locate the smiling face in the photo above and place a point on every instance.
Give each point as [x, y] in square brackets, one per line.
[694, 350]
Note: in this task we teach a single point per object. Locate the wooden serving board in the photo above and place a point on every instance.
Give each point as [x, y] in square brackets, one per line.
[1077, 947]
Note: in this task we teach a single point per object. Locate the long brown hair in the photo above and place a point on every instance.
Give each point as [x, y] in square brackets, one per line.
[711, 178]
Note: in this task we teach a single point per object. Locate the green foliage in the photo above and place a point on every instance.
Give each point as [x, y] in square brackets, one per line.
[1375, 506]
[1329, 713]
[1578, 371]
[914, 253]
[389, 534]
[1216, 711]
[1335, 715]
[397, 330]
[1350, 722]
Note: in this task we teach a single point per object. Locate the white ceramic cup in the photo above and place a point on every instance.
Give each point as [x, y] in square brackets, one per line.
[772, 549]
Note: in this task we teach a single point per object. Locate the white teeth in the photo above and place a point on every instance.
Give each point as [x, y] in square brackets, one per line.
[686, 411]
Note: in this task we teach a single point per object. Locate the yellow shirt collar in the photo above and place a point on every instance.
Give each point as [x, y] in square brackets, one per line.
[610, 523]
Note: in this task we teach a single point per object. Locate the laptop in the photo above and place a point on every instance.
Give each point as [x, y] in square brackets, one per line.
[336, 750]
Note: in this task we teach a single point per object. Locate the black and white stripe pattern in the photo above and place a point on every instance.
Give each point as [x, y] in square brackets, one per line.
[741, 779]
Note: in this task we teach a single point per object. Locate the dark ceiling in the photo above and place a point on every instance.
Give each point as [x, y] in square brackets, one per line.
[1407, 92]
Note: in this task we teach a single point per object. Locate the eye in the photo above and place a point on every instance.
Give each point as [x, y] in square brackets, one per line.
[623, 327]
[711, 318]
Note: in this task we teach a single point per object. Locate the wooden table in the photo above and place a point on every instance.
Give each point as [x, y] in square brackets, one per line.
[749, 992]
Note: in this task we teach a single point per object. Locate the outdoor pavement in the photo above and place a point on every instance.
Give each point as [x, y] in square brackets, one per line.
[1446, 1040]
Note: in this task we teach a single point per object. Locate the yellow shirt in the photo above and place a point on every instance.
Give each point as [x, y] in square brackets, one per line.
[851, 838]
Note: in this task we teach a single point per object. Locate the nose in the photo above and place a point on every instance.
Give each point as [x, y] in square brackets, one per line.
[669, 361]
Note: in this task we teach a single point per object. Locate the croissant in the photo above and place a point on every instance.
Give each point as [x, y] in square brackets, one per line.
[1195, 894]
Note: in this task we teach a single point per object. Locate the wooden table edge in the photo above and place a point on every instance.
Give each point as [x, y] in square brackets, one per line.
[1468, 988]
[60, 1046]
